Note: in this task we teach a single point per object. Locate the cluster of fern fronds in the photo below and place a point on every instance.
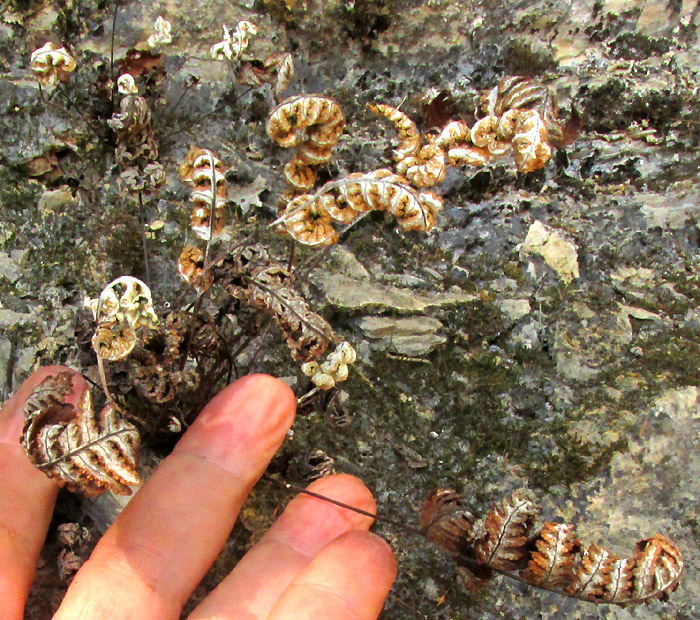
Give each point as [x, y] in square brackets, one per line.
[519, 119]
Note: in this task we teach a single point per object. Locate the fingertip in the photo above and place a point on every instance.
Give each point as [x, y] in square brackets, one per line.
[347, 489]
[277, 391]
[242, 426]
[257, 392]
[348, 579]
[372, 553]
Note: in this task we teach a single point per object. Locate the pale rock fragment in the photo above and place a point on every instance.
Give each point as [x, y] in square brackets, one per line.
[413, 336]
[557, 252]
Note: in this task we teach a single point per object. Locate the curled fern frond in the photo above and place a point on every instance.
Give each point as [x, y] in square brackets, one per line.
[135, 138]
[409, 136]
[548, 556]
[517, 92]
[51, 64]
[313, 125]
[83, 452]
[204, 171]
[308, 217]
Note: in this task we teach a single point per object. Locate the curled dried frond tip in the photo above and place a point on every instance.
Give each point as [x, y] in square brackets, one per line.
[126, 85]
[234, 43]
[313, 119]
[85, 453]
[125, 299]
[333, 370]
[51, 64]
[307, 220]
[162, 35]
[409, 135]
[124, 305]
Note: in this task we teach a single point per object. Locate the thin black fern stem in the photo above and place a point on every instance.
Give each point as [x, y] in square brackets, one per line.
[142, 221]
[200, 297]
[265, 332]
[111, 54]
[376, 517]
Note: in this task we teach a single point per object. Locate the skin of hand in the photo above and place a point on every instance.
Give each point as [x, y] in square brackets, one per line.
[316, 561]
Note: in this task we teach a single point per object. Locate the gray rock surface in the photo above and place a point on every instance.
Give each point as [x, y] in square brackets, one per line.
[583, 387]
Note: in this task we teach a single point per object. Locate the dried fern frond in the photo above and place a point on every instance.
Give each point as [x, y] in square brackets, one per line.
[501, 539]
[456, 139]
[156, 370]
[385, 191]
[426, 169]
[486, 135]
[251, 276]
[530, 148]
[83, 452]
[409, 136]
[308, 221]
[307, 217]
[123, 306]
[204, 171]
[234, 43]
[550, 557]
[445, 520]
[283, 65]
[136, 145]
[311, 123]
[299, 174]
[553, 563]
[518, 92]
[191, 268]
[162, 35]
[315, 119]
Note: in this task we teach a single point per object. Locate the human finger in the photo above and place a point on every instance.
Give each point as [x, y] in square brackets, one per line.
[347, 580]
[166, 538]
[27, 498]
[307, 525]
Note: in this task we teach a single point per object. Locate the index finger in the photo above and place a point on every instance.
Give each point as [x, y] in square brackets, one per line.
[166, 538]
[27, 497]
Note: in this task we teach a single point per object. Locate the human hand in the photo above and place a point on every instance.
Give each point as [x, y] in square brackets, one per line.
[317, 561]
